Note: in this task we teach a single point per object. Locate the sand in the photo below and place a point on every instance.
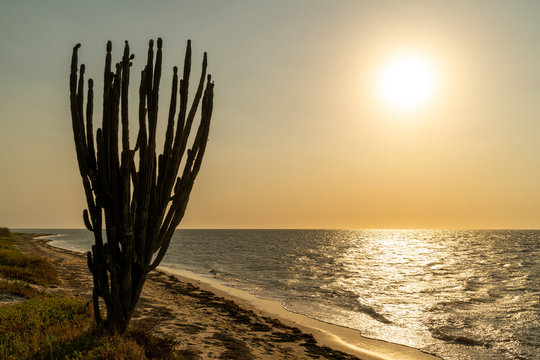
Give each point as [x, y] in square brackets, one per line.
[213, 321]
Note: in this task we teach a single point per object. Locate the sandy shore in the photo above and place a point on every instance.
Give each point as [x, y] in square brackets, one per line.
[212, 321]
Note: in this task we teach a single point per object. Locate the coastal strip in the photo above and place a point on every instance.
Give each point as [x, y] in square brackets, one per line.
[213, 321]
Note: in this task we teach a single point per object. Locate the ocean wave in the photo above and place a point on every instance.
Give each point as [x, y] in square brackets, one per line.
[451, 336]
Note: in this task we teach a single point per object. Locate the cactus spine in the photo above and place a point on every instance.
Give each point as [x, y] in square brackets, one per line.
[141, 205]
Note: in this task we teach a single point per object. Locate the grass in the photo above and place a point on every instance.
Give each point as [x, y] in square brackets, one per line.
[47, 326]
[17, 266]
[40, 324]
[19, 288]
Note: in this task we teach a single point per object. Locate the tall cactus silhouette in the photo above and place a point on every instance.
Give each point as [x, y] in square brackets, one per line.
[141, 205]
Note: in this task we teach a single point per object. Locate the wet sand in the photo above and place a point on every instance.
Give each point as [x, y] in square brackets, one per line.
[213, 321]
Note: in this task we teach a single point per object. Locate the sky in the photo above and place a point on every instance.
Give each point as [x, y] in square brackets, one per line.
[300, 137]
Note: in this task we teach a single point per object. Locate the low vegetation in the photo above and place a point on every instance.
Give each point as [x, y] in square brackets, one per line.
[19, 288]
[46, 326]
[40, 324]
[4, 231]
[17, 266]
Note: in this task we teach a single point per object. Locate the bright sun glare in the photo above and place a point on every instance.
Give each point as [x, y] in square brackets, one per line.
[407, 82]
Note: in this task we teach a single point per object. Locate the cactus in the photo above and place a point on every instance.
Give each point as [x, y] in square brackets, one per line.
[141, 204]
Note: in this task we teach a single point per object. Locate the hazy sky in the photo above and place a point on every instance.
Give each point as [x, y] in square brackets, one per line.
[299, 137]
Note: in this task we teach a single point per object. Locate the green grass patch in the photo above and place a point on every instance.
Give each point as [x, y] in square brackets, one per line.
[18, 266]
[51, 327]
[41, 325]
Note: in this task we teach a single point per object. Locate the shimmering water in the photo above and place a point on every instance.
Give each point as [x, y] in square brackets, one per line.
[458, 294]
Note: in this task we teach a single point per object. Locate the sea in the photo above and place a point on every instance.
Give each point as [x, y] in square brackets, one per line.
[467, 294]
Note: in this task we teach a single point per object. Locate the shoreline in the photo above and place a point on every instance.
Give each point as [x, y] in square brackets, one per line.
[342, 339]
[337, 337]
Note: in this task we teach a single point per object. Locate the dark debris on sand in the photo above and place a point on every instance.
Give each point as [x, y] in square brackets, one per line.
[256, 331]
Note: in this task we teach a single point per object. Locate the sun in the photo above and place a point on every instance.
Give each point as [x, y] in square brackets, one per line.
[407, 82]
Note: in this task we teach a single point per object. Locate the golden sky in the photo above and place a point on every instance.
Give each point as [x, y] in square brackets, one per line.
[301, 137]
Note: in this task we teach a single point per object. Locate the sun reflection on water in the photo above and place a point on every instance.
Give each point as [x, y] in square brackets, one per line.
[407, 278]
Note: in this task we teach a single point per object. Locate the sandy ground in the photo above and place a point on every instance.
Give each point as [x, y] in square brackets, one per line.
[214, 323]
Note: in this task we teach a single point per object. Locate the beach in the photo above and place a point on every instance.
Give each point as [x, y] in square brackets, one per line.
[212, 321]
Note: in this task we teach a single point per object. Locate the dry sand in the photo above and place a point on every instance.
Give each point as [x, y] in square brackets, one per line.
[212, 321]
